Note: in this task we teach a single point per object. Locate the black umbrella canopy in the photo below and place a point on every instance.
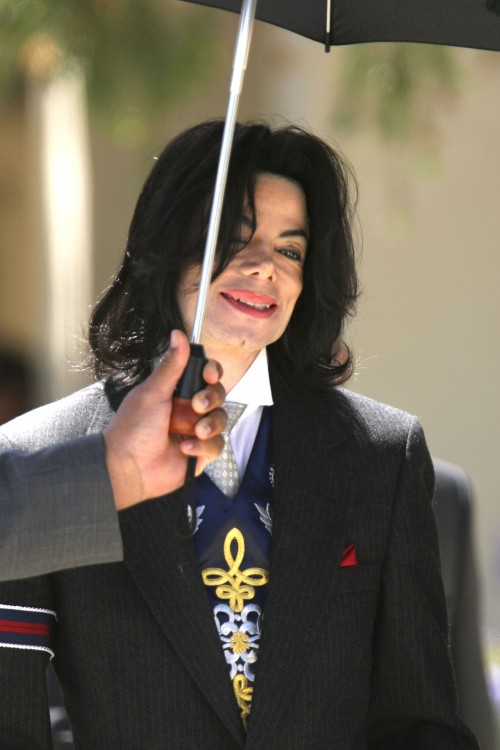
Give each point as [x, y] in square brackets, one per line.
[458, 23]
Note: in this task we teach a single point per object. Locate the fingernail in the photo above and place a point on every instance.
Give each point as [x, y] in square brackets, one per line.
[174, 339]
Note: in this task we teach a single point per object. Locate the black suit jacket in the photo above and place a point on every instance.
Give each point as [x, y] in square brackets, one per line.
[350, 658]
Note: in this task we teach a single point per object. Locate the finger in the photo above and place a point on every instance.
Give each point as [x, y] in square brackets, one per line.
[205, 451]
[212, 372]
[165, 376]
[208, 399]
[211, 425]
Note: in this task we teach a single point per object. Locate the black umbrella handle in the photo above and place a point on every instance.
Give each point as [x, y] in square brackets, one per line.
[183, 418]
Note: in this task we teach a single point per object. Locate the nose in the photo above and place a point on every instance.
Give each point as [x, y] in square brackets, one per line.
[257, 259]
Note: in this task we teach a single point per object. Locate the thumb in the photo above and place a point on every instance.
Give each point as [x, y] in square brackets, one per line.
[171, 365]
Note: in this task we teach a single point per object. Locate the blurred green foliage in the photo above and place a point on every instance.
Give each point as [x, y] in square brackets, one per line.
[398, 89]
[138, 56]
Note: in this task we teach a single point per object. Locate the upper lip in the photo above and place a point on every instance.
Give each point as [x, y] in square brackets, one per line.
[251, 298]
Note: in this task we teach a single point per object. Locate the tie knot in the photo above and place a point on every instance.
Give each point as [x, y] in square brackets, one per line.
[234, 412]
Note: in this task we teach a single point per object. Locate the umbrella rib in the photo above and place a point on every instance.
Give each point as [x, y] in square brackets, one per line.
[328, 32]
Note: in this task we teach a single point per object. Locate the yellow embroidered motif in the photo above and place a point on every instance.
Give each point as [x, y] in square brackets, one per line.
[243, 695]
[234, 584]
[240, 643]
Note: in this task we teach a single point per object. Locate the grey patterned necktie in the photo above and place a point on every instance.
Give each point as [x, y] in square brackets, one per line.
[223, 471]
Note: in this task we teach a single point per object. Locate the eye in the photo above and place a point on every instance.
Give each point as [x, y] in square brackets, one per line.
[290, 252]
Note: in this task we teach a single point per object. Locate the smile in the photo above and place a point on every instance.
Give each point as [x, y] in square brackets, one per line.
[248, 304]
[249, 301]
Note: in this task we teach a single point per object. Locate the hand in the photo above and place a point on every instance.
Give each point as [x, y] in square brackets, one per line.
[143, 460]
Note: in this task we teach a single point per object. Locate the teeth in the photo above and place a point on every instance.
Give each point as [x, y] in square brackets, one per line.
[250, 304]
[256, 307]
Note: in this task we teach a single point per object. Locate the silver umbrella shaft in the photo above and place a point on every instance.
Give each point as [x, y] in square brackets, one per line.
[239, 65]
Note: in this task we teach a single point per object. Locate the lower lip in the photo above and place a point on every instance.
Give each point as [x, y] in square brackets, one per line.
[252, 312]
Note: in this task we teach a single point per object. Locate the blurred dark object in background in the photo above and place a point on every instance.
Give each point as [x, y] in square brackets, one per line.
[16, 384]
[62, 736]
[454, 510]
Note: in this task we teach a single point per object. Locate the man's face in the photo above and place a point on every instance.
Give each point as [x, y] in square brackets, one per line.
[250, 304]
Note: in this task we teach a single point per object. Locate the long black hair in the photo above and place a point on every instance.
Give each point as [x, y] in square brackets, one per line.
[132, 322]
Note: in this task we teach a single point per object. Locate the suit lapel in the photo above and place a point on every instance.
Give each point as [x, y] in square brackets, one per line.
[163, 564]
[312, 497]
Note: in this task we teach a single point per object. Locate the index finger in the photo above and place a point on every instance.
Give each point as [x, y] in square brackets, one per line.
[212, 372]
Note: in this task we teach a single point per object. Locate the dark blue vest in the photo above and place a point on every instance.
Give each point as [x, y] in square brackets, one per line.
[233, 543]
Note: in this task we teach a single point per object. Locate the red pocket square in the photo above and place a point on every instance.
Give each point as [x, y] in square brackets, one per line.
[349, 557]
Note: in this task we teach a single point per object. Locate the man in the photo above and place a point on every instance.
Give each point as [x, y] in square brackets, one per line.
[58, 505]
[291, 598]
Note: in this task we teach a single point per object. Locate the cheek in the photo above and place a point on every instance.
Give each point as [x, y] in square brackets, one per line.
[294, 294]
[296, 289]
[187, 305]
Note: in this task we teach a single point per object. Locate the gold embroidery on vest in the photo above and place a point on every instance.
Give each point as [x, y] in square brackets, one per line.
[237, 586]
[234, 584]
[240, 642]
[244, 696]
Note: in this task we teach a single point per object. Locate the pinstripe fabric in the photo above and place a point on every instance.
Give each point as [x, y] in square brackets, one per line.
[351, 658]
[67, 532]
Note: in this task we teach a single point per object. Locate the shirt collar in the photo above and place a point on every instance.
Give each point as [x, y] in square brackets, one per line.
[254, 388]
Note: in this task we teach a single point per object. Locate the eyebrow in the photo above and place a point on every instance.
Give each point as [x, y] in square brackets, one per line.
[295, 233]
[287, 233]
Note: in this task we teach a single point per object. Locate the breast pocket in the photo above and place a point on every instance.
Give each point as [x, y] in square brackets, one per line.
[356, 579]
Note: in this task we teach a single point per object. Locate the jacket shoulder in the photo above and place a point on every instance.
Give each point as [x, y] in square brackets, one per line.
[372, 418]
[83, 412]
[388, 434]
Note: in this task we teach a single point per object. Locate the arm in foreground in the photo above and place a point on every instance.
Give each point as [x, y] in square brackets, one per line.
[58, 505]
[413, 704]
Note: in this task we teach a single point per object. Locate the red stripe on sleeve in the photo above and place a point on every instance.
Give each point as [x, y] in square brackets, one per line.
[29, 628]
